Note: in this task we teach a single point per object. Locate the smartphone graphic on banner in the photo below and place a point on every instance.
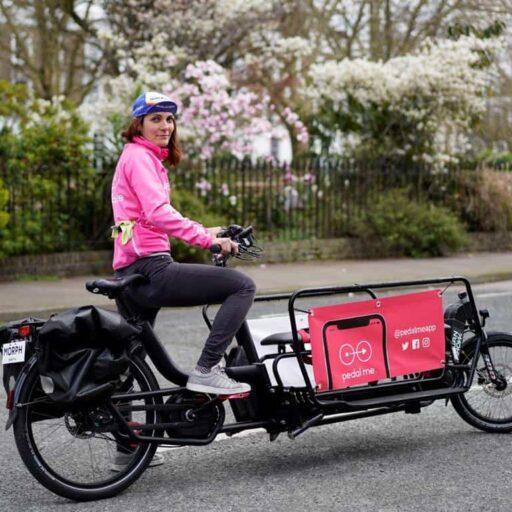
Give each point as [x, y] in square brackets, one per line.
[355, 350]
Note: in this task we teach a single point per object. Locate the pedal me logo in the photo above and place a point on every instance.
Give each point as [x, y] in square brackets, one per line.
[348, 355]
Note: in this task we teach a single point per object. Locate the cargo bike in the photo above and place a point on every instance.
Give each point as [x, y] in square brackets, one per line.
[349, 359]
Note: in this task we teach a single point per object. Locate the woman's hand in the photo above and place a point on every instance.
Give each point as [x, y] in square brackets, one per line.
[214, 231]
[227, 245]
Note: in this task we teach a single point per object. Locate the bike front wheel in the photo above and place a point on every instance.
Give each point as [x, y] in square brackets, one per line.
[66, 452]
[486, 406]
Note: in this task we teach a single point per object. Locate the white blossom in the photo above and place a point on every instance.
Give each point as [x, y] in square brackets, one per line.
[439, 89]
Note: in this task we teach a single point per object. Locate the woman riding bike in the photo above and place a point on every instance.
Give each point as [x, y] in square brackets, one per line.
[144, 220]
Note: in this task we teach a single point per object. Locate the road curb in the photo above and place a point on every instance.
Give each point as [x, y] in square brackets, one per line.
[44, 313]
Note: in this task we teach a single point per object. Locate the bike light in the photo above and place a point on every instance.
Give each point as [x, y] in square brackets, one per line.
[24, 331]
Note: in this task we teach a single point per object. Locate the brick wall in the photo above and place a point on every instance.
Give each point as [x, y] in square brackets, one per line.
[59, 264]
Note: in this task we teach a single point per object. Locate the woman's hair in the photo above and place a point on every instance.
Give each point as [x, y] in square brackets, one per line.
[135, 130]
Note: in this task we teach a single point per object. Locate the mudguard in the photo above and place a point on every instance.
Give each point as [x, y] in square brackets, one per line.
[17, 390]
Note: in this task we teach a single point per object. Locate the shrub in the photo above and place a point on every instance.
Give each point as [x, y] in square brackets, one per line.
[406, 227]
[4, 216]
[45, 160]
[192, 207]
[488, 157]
[482, 199]
[48, 167]
[403, 109]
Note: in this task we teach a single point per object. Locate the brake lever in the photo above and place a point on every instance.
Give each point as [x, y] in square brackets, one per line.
[245, 240]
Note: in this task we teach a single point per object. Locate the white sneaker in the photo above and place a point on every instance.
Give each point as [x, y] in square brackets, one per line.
[121, 460]
[216, 383]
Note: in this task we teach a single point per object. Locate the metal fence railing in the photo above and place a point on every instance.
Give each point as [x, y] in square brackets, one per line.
[317, 197]
[54, 211]
[311, 198]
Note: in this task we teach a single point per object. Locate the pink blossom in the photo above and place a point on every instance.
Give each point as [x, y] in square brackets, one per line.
[308, 178]
[204, 186]
[289, 177]
[217, 117]
[224, 189]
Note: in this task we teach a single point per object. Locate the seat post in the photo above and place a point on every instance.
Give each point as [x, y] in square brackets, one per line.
[123, 307]
[244, 338]
[113, 289]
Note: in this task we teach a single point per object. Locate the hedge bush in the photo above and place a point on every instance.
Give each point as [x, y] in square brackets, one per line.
[45, 159]
[4, 216]
[415, 228]
[482, 199]
[192, 207]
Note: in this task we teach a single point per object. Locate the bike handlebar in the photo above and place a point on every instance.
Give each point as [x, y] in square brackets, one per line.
[245, 240]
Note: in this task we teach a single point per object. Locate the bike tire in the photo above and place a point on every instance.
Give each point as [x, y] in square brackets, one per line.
[461, 404]
[54, 482]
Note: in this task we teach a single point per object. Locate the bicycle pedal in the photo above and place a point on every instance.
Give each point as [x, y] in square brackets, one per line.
[235, 396]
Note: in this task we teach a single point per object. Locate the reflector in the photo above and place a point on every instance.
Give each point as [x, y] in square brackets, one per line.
[24, 331]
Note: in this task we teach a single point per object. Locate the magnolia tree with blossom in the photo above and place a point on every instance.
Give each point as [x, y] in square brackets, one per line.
[418, 107]
[269, 46]
[245, 37]
[216, 118]
[213, 116]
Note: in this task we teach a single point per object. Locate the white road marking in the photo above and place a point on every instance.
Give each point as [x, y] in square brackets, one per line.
[477, 295]
[492, 294]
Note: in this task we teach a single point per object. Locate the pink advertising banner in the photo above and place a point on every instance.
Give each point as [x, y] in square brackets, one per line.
[365, 341]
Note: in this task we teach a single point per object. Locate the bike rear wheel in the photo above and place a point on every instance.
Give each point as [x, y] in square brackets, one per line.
[66, 453]
[484, 406]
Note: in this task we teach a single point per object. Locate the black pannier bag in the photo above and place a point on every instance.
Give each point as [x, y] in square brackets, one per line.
[9, 333]
[84, 352]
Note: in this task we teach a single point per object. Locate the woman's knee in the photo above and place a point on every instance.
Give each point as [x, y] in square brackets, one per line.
[248, 286]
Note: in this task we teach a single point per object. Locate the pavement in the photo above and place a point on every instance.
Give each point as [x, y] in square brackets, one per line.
[40, 298]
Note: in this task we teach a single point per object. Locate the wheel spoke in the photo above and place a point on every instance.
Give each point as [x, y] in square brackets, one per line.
[92, 458]
[51, 432]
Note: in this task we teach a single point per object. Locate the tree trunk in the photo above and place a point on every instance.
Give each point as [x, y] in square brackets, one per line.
[388, 31]
[375, 30]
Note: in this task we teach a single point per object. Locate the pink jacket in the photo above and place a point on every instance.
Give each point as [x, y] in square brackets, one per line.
[140, 193]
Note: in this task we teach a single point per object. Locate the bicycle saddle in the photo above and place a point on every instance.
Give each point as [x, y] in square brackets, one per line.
[284, 338]
[113, 287]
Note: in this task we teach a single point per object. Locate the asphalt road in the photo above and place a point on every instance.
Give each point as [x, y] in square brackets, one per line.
[430, 462]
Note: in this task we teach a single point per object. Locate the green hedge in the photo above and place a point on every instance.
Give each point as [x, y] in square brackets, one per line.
[4, 216]
[45, 160]
[413, 228]
[190, 206]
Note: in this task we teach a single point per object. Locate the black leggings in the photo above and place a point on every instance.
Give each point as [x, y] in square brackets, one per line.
[183, 284]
